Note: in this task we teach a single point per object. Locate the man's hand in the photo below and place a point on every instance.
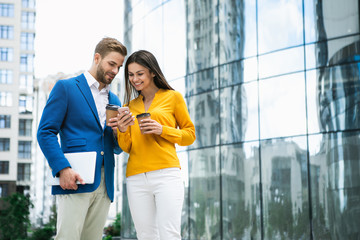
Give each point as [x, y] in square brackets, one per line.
[68, 179]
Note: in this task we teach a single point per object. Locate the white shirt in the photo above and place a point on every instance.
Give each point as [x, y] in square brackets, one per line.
[101, 98]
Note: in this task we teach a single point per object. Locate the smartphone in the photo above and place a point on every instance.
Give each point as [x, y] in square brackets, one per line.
[123, 109]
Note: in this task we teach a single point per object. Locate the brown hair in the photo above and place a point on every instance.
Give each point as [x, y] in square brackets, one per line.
[107, 45]
[148, 60]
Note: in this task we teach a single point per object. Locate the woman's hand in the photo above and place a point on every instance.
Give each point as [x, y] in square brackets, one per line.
[150, 126]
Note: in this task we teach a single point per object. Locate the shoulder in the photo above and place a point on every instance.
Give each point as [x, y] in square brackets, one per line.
[63, 86]
[177, 96]
[133, 102]
[68, 81]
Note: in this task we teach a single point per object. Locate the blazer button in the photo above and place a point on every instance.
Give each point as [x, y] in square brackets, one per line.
[102, 153]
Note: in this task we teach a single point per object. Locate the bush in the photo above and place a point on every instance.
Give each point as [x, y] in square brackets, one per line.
[45, 233]
[14, 218]
[113, 229]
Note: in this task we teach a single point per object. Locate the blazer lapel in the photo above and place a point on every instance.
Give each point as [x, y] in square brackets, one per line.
[111, 100]
[86, 92]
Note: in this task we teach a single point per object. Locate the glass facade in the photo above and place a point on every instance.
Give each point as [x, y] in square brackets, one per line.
[272, 88]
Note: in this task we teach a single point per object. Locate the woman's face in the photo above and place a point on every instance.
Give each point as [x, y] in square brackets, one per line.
[140, 77]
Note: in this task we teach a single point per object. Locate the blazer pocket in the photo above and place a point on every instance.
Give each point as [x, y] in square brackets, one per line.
[76, 142]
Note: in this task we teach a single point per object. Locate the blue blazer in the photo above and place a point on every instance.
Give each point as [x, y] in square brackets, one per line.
[71, 112]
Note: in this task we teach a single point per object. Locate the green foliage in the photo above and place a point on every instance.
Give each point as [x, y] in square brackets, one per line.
[113, 229]
[48, 230]
[44, 233]
[14, 218]
[108, 237]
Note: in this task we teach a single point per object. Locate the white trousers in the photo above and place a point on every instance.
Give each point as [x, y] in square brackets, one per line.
[82, 215]
[155, 200]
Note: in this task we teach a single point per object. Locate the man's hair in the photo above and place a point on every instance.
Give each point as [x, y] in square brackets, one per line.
[107, 45]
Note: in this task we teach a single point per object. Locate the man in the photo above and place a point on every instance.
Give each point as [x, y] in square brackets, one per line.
[76, 111]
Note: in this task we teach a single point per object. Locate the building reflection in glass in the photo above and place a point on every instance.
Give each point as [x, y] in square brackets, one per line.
[273, 89]
[335, 168]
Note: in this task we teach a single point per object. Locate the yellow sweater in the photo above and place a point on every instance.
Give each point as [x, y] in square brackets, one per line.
[152, 152]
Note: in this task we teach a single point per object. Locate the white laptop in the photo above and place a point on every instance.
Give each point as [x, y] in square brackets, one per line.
[81, 162]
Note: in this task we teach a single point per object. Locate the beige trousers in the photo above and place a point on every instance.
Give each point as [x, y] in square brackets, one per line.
[83, 215]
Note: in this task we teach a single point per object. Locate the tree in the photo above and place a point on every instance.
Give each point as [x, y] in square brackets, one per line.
[14, 218]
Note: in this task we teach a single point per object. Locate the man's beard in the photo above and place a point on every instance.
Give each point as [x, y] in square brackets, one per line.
[101, 75]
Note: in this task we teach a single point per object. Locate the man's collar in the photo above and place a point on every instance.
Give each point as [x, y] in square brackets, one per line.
[93, 82]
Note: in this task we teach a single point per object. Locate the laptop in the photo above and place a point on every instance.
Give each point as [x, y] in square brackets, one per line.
[81, 162]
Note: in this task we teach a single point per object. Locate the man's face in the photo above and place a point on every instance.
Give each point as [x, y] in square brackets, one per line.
[108, 67]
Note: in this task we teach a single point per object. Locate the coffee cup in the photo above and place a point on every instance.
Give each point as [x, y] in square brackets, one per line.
[140, 117]
[111, 111]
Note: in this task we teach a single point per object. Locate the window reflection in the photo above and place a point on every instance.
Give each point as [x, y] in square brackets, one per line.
[280, 24]
[282, 106]
[204, 172]
[239, 113]
[179, 85]
[154, 40]
[237, 20]
[204, 112]
[184, 163]
[202, 81]
[285, 188]
[138, 37]
[286, 61]
[330, 19]
[335, 182]
[202, 35]
[231, 74]
[337, 97]
[332, 52]
[240, 191]
[174, 39]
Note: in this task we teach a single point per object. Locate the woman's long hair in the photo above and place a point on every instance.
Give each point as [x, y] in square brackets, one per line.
[148, 60]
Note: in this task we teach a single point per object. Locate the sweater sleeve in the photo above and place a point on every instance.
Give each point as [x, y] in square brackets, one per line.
[124, 140]
[184, 135]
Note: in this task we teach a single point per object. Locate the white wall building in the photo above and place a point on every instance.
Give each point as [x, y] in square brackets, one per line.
[17, 34]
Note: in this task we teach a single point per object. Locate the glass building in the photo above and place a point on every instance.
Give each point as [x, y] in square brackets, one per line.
[272, 88]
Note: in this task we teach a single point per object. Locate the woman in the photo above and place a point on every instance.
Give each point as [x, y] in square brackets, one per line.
[154, 185]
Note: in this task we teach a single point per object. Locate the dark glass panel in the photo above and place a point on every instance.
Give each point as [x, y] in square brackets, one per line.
[204, 112]
[239, 113]
[285, 188]
[335, 185]
[241, 191]
[280, 24]
[282, 106]
[204, 172]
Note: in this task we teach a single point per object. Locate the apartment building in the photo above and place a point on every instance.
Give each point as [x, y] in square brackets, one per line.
[17, 34]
